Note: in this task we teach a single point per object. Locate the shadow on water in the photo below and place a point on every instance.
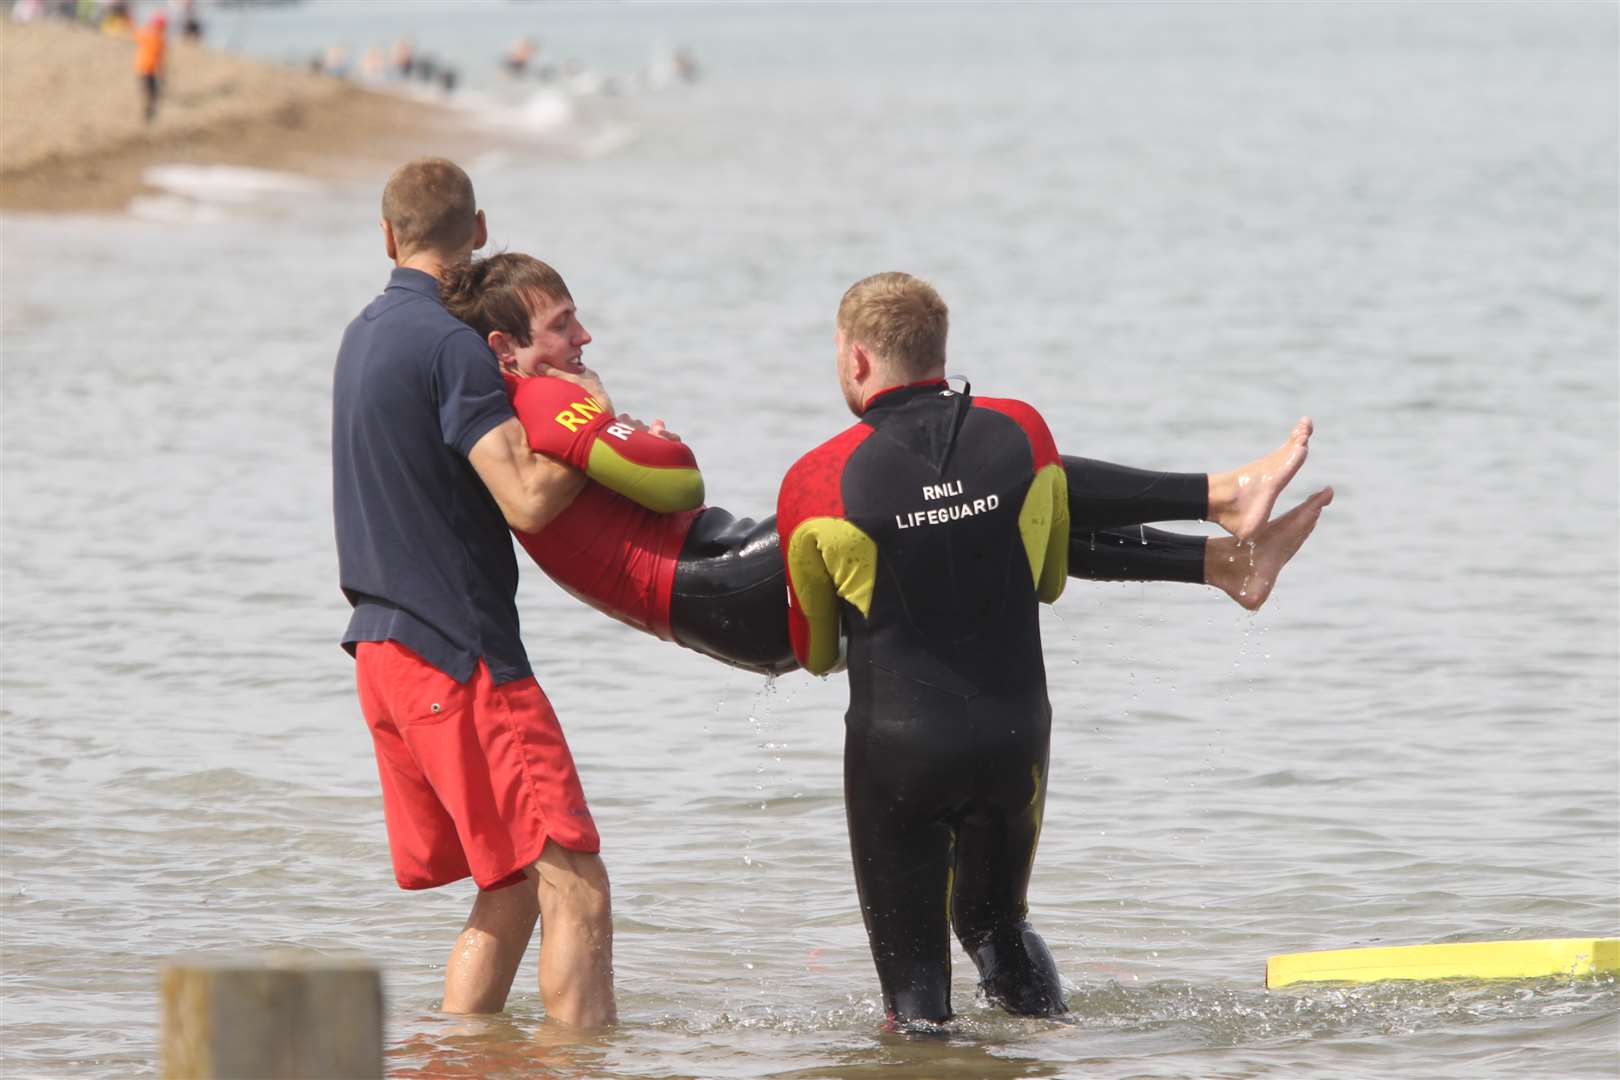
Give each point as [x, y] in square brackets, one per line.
[496, 1046]
[917, 1057]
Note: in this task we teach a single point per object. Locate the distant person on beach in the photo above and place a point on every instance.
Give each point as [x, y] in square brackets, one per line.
[151, 42]
[335, 61]
[686, 67]
[430, 470]
[919, 544]
[517, 58]
[403, 58]
[191, 27]
[115, 18]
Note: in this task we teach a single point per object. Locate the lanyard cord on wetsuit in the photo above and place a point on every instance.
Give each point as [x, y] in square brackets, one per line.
[963, 402]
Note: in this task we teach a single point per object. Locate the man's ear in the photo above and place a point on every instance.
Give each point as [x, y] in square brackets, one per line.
[481, 232]
[860, 363]
[388, 239]
[500, 343]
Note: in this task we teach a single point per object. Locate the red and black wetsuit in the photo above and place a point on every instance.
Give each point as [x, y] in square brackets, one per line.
[929, 532]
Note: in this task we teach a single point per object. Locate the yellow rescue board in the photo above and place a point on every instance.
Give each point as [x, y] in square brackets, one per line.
[1458, 960]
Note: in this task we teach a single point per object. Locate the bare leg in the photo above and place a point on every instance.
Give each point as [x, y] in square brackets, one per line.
[576, 938]
[1240, 501]
[1247, 570]
[490, 949]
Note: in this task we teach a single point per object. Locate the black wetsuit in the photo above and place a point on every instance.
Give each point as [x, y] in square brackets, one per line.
[928, 531]
[726, 601]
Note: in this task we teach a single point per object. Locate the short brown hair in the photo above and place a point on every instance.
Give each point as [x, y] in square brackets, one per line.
[430, 206]
[501, 292]
[899, 317]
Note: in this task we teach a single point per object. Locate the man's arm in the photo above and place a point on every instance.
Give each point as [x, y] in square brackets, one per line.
[1055, 564]
[829, 560]
[1043, 520]
[621, 454]
[531, 489]
[812, 602]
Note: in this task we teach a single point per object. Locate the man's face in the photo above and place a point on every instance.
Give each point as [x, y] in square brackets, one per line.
[556, 339]
[846, 373]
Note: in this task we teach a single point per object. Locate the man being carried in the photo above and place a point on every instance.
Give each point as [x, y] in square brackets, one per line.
[430, 467]
[637, 545]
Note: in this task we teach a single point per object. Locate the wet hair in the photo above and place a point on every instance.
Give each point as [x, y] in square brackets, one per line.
[501, 292]
[900, 318]
[430, 206]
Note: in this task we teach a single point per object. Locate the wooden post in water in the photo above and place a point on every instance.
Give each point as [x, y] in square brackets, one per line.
[276, 1015]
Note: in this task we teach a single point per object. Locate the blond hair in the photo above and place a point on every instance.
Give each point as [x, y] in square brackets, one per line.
[900, 318]
[430, 206]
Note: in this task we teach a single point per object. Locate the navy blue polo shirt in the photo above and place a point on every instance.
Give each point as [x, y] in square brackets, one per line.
[424, 554]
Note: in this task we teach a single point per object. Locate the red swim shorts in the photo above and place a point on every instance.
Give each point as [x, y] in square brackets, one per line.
[475, 777]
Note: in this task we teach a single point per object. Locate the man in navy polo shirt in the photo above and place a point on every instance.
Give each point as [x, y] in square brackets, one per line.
[430, 467]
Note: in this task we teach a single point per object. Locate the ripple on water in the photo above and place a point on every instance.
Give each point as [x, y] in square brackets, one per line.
[1205, 1030]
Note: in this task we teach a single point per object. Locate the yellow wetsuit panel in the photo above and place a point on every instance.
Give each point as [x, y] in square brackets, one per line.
[1043, 522]
[662, 489]
[829, 559]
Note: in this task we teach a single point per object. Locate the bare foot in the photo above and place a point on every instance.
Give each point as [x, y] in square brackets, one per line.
[1240, 501]
[1247, 570]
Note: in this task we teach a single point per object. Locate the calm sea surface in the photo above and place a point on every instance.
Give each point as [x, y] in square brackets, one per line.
[1176, 229]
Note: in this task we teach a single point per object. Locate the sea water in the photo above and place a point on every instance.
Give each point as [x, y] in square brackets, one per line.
[1174, 228]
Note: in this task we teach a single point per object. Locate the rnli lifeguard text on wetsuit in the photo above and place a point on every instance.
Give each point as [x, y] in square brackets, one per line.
[941, 515]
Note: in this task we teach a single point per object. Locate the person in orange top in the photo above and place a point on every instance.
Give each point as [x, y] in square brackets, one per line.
[150, 43]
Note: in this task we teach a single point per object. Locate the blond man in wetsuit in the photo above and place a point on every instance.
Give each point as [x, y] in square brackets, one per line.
[919, 544]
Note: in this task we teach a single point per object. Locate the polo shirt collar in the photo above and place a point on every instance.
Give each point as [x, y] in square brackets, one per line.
[414, 281]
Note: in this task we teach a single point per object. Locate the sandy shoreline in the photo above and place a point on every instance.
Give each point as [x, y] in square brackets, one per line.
[72, 137]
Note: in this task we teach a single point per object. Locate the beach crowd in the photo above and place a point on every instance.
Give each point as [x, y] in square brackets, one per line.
[109, 16]
[120, 19]
[522, 61]
[403, 65]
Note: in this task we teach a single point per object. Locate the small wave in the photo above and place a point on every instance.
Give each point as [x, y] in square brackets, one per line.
[174, 210]
[561, 120]
[546, 112]
[1291, 778]
[209, 782]
[226, 185]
